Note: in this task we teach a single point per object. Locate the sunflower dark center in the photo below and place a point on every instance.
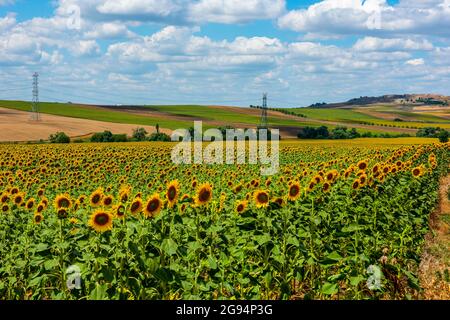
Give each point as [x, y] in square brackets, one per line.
[262, 197]
[18, 200]
[63, 203]
[108, 201]
[37, 218]
[62, 213]
[240, 207]
[204, 195]
[96, 198]
[134, 206]
[294, 190]
[101, 219]
[153, 205]
[172, 193]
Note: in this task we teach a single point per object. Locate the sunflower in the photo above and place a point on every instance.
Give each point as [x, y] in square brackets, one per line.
[62, 201]
[38, 217]
[241, 206]
[330, 176]
[30, 203]
[62, 213]
[363, 179]
[101, 221]
[356, 185]
[153, 206]
[261, 198]
[96, 197]
[237, 188]
[204, 194]
[362, 165]
[44, 201]
[40, 207]
[172, 193]
[119, 211]
[294, 191]
[14, 190]
[318, 179]
[4, 198]
[136, 206]
[107, 200]
[311, 186]
[124, 194]
[73, 220]
[18, 198]
[279, 201]
[326, 187]
[5, 208]
[417, 172]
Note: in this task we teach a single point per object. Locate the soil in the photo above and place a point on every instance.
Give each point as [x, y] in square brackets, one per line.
[17, 126]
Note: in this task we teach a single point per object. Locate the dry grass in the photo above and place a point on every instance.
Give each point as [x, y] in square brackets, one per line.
[435, 264]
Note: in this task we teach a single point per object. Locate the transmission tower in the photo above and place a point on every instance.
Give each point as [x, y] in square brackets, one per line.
[35, 116]
[263, 123]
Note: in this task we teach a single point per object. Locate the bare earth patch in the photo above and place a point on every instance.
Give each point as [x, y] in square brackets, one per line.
[435, 264]
[17, 126]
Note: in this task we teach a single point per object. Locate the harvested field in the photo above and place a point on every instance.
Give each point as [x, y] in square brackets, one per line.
[17, 126]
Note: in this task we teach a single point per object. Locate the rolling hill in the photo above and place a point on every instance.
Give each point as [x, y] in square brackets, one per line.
[390, 114]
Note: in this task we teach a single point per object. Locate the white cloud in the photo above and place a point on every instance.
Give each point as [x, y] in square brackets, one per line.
[108, 30]
[235, 11]
[379, 44]
[416, 62]
[7, 22]
[178, 12]
[137, 7]
[349, 17]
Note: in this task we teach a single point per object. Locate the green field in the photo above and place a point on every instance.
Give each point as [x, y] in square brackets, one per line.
[92, 113]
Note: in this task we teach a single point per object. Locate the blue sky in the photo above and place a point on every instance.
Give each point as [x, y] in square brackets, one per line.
[223, 51]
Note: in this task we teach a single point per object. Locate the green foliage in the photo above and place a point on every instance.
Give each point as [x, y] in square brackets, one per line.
[59, 137]
[120, 138]
[159, 137]
[139, 134]
[105, 136]
[443, 136]
[323, 133]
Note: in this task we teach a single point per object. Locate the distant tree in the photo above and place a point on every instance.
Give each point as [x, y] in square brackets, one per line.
[139, 134]
[157, 128]
[105, 136]
[443, 136]
[59, 137]
[159, 137]
[120, 138]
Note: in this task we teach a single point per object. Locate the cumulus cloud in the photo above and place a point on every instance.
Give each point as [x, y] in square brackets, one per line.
[379, 44]
[350, 17]
[234, 11]
[415, 62]
[176, 12]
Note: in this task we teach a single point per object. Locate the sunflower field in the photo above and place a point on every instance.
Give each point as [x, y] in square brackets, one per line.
[136, 226]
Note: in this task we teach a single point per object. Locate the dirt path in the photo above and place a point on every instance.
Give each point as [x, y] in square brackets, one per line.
[436, 256]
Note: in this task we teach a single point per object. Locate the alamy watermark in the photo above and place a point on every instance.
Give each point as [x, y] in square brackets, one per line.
[229, 147]
[374, 280]
[73, 277]
[73, 15]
